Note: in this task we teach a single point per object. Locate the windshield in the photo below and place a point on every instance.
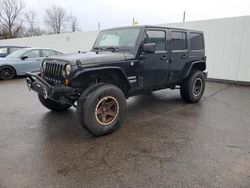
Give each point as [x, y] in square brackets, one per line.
[17, 54]
[121, 39]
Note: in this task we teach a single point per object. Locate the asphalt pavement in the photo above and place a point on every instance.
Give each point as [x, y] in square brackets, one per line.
[163, 142]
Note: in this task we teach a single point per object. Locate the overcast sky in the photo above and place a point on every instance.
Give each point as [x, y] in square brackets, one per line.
[112, 13]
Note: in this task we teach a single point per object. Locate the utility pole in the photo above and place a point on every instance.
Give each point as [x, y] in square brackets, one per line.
[99, 25]
[134, 22]
[184, 16]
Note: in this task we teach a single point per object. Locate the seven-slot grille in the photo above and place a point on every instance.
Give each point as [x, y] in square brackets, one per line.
[53, 71]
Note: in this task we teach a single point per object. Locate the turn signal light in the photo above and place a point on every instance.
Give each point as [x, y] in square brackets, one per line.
[66, 82]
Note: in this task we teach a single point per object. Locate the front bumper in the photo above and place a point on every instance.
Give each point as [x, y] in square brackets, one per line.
[56, 93]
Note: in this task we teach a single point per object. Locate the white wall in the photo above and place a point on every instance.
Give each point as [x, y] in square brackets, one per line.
[227, 45]
[227, 42]
[66, 42]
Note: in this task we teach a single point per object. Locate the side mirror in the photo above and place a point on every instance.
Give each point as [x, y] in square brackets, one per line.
[148, 47]
[24, 57]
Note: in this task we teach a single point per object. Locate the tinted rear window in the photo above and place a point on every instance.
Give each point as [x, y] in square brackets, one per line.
[179, 40]
[196, 41]
[47, 53]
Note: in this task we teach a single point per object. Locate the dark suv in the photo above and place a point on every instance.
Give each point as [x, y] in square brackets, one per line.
[123, 62]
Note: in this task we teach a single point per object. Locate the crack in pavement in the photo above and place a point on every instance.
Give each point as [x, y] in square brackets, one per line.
[73, 164]
[216, 92]
[240, 147]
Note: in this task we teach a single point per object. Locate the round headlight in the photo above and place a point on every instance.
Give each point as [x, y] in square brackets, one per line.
[68, 69]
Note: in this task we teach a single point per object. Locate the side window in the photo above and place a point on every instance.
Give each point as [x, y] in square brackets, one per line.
[32, 54]
[157, 37]
[179, 40]
[47, 53]
[197, 42]
[3, 50]
[12, 49]
[58, 53]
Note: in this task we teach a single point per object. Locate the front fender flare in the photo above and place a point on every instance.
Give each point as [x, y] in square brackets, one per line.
[100, 69]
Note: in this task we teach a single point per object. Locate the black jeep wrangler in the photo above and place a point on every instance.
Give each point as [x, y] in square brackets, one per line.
[122, 63]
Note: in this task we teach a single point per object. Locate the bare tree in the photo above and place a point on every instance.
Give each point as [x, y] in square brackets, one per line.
[33, 28]
[31, 19]
[73, 23]
[11, 17]
[56, 19]
[1, 32]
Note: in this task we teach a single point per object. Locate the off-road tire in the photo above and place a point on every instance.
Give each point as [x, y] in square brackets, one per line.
[7, 72]
[52, 105]
[188, 90]
[87, 108]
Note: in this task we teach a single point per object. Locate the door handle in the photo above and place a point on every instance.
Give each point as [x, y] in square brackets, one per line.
[184, 56]
[164, 57]
[171, 60]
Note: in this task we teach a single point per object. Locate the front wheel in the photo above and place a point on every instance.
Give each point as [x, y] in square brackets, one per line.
[52, 105]
[102, 109]
[193, 87]
[7, 73]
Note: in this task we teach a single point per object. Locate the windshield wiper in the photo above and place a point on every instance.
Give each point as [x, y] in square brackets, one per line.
[111, 48]
[114, 49]
[97, 48]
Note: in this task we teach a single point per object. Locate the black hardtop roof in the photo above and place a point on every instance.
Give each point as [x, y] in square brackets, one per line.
[155, 27]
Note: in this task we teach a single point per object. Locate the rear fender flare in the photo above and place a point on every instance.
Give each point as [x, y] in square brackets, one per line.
[201, 65]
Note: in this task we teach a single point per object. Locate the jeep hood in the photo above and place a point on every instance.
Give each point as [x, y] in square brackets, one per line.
[93, 57]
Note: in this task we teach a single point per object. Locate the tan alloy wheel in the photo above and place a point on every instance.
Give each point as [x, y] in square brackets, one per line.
[106, 110]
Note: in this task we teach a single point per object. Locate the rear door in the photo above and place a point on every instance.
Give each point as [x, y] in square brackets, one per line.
[156, 65]
[179, 53]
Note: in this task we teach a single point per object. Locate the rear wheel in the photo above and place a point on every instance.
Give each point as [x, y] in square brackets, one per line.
[52, 105]
[7, 73]
[102, 109]
[193, 87]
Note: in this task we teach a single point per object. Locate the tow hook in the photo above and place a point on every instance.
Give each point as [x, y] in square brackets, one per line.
[28, 84]
[45, 94]
[29, 87]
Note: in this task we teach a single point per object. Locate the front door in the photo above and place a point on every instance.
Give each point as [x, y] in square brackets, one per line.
[155, 66]
[33, 61]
